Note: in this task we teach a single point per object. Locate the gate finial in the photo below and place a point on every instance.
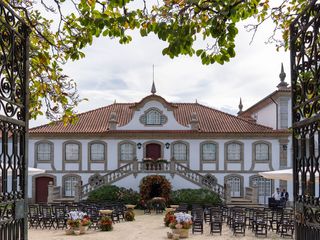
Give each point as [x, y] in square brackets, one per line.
[282, 77]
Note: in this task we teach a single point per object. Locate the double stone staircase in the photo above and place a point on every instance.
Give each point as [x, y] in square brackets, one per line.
[136, 167]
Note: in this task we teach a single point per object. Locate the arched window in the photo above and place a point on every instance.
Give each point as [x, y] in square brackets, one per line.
[234, 151]
[126, 152]
[153, 117]
[180, 151]
[72, 152]
[44, 151]
[97, 151]
[69, 183]
[208, 151]
[235, 185]
[264, 187]
[262, 152]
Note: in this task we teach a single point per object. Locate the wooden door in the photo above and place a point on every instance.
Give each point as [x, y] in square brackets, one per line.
[153, 151]
[42, 189]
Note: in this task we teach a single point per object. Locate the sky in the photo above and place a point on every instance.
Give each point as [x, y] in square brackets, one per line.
[124, 73]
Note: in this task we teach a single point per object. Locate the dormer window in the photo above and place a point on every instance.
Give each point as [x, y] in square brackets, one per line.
[153, 117]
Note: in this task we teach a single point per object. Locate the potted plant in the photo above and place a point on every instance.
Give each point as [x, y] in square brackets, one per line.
[85, 224]
[168, 218]
[129, 215]
[105, 223]
[181, 224]
[74, 221]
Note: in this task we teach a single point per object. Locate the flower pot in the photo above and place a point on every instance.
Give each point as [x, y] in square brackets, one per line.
[83, 229]
[69, 231]
[77, 231]
[183, 233]
[106, 227]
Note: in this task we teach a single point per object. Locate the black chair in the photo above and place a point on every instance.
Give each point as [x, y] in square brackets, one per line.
[47, 217]
[60, 217]
[197, 216]
[34, 217]
[215, 220]
[261, 223]
[286, 228]
[94, 216]
[239, 221]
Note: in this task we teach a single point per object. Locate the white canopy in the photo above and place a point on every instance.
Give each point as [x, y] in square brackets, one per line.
[283, 174]
[31, 171]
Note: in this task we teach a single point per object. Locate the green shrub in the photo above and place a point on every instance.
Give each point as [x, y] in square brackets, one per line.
[195, 196]
[111, 193]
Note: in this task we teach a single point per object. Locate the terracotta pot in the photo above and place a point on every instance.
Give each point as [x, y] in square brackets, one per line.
[183, 233]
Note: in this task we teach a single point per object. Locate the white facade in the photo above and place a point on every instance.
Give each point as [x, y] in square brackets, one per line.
[170, 129]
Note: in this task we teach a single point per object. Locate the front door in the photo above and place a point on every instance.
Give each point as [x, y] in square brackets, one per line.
[42, 189]
[153, 150]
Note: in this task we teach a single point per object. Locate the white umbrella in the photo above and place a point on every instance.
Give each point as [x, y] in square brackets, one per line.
[31, 171]
[283, 174]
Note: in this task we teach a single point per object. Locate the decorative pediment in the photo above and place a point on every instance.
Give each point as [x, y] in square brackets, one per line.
[169, 106]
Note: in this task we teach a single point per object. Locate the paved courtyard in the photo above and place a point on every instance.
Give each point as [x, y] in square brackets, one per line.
[145, 227]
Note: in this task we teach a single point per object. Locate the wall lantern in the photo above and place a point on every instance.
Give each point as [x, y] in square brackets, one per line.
[167, 145]
[284, 147]
[139, 145]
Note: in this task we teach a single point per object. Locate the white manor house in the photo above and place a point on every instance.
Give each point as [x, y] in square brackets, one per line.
[192, 145]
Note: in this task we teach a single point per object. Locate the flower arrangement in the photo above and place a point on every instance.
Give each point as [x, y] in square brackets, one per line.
[75, 219]
[168, 218]
[86, 221]
[181, 221]
[105, 223]
[129, 215]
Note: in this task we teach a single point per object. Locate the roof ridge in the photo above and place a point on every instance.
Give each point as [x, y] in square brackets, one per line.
[80, 114]
[237, 117]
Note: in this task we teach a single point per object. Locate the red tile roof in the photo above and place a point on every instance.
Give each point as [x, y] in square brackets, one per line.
[210, 121]
[264, 102]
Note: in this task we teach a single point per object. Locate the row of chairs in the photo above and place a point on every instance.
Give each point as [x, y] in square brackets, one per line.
[56, 215]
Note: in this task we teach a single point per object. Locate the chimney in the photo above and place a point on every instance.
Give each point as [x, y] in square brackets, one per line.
[113, 121]
[194, 121]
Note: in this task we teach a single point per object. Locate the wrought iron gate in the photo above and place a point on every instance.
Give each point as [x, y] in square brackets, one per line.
[305, 74]
[14, 64]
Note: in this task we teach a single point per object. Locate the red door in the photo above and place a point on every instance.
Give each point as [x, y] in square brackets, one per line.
[42, 189]
[153, 151]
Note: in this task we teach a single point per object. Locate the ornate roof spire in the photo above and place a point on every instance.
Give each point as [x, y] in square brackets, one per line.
[153, 88]
[282, 77]
[240, 106]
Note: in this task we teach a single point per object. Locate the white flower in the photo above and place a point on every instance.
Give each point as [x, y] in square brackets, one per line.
[182, 217]
[75, 215]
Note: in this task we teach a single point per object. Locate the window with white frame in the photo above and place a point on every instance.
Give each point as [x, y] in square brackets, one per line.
[264, 185]
[234, 151]
[72, 152]
[126, 152]
[97, 152]
[262, 152]
[234, 183]
[44, 152]
[180, 151]
[69, 185]
[208, 151]
[153, 117]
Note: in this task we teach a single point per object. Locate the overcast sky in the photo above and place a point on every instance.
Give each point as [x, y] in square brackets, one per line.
[111, 71]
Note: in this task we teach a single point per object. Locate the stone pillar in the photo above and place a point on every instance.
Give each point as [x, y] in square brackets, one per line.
[135, 167]
[255, 195]
[50, 192]
[172, 167]
[77, 192]
[227, 192]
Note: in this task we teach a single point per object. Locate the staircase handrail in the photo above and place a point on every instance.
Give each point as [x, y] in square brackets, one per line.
[214, 186]
[107, 178]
